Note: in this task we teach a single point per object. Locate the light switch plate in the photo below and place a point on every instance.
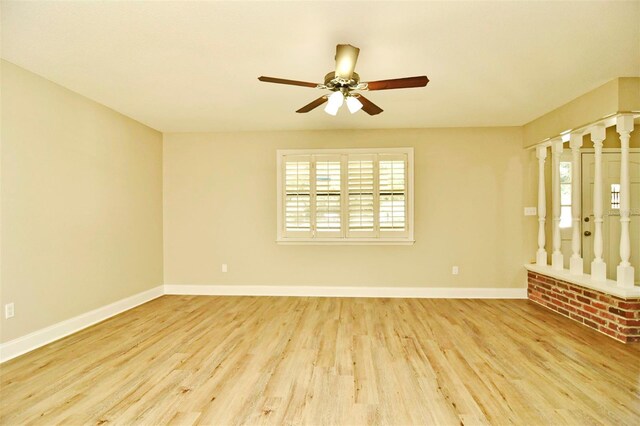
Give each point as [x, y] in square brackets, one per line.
[530, 211]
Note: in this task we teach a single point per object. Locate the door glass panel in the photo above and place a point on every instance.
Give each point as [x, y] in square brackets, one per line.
[615, 196]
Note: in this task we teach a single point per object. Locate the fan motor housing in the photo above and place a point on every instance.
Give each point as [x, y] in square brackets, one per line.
[331, 81]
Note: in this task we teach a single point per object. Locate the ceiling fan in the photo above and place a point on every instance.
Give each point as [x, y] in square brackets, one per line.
[343, 82]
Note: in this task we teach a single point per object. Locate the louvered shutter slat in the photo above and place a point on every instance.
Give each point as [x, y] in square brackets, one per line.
[328, 196]
[360, 182]
[297, 195]
[392, 175]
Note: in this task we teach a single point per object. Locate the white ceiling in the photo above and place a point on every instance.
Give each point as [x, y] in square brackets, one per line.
[192, 66]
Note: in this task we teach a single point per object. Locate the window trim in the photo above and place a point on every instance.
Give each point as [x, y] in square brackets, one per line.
[407, 239]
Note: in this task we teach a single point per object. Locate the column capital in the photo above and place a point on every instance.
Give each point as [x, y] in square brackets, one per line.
[575, 140]
[557, 146]
[624, 123]
[598, 133]
[541, 152]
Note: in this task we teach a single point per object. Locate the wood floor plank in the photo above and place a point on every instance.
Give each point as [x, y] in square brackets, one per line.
[189, 360]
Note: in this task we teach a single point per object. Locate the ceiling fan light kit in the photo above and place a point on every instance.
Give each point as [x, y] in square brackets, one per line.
[353, 104]
[344, 80]
[334, 103]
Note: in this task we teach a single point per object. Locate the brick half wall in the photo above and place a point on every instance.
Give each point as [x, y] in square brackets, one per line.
[617, 318]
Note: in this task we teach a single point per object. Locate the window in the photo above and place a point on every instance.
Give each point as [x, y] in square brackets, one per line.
[351, 196]
[615, 196]
[565, 194]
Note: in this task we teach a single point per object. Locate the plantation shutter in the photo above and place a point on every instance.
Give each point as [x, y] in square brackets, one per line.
[328, 196]
[361, 192]
[297, 196]
[362, 196]
[392, 194]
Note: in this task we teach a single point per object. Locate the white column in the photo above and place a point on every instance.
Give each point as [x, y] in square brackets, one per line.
[575, 263]
[625, 272]
[598, 266]
[557, 260]
[541, 255]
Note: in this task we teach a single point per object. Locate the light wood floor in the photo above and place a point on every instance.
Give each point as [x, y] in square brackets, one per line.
[268, 360]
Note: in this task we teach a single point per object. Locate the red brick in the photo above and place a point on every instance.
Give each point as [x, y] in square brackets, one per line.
[598, 319]
[575, 303]
[590, 309]
[599, 305]
[608, 316]
[560, 297]
[570, 308]
[584, 300]
[619, 312]
[590, 294]
[622, 338]
[605, 330]
[629, 305]
[584, 313]
[575, 317]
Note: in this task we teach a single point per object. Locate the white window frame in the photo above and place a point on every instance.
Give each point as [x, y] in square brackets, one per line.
[345, 237]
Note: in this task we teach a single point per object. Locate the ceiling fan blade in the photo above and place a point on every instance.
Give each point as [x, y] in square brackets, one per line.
[312, 105]
[346, 58]
[369, 107]
[398, 83]
[284, 81]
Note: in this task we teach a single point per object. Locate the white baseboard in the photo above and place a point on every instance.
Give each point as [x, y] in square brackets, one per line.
[31, 341]
[332, 291]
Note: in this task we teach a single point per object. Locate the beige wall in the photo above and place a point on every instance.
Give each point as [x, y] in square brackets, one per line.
[81, 204]
[618, 95]
[220, 207]
[587, 108]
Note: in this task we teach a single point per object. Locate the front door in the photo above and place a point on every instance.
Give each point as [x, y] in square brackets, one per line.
[611, 211]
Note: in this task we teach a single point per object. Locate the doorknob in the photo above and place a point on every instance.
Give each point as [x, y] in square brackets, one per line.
[587, 233]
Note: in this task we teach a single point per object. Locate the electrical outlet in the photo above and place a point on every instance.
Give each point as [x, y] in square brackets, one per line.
[224, 267]
[9, 310]
[455, 270]
[530, 211]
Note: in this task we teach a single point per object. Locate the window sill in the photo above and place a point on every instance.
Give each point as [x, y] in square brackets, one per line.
[346, 242]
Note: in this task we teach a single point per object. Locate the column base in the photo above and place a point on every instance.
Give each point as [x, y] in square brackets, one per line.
[541, 258]
[598, 271]
[557, 261]
[625, 276]
[576, 266]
